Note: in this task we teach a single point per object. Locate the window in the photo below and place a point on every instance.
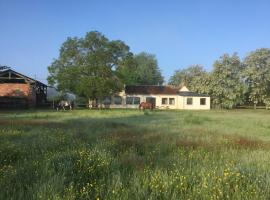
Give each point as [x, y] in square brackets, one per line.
[136, 100]
[107, 100]
[117, 100]
[164, 101]
[133, 100]
[202, 101]
[129, 100]
[189, 101]
[171, 101]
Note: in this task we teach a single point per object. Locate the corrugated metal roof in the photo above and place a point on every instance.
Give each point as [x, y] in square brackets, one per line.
[21, 75]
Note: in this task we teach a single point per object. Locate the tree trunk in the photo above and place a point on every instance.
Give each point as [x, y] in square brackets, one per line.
[255, 106]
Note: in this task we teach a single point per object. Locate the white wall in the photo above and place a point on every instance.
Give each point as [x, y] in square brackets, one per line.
[196, 103]
[180, 102]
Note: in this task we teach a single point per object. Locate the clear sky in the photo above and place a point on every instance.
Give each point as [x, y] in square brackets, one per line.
[179, 33]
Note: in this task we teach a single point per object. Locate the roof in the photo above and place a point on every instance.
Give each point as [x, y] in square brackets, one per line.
[150, 89]
[191, 94]
[20, 75]
[157, 89]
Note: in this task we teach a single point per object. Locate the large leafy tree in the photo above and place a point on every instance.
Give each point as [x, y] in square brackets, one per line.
[127, 70]
[185, 76]
[86, 66]
[202, 84]
[227, 85]
[140, 69]
[257, 76]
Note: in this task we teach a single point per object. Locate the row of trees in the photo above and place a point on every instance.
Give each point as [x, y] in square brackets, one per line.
[94, 67]
[231, 82]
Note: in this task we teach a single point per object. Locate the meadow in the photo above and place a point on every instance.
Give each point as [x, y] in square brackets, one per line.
[131, 154]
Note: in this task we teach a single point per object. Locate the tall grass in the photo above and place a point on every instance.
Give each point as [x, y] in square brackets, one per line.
[129, 154]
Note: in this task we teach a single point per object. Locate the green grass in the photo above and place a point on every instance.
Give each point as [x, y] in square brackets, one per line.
[131, 154]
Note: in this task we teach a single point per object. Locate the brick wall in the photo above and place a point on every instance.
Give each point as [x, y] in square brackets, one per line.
[18, 90]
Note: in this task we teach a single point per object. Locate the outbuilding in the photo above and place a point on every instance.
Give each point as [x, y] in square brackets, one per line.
[20, 91]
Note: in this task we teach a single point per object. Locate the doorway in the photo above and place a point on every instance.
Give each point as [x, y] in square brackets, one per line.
[151, 100]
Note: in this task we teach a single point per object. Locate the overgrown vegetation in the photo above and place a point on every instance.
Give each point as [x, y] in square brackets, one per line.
[130, 154]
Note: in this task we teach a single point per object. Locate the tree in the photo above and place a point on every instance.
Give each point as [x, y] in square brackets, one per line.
[127, 70]
[257, 76]
[202, 84]
[148, 72]
[185, 76]
[86, 66]
[227, 86]
[141, 69]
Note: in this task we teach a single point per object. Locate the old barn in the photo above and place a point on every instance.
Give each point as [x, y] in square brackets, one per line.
[20, 91]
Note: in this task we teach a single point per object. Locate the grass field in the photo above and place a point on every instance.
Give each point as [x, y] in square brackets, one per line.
[130, 154]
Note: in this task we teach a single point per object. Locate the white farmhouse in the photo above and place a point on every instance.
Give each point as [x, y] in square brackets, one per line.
[163, 97]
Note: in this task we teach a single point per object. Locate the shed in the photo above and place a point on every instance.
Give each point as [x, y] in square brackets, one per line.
[18, 90]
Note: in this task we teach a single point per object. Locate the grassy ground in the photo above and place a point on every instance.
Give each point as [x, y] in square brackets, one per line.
[130, 154]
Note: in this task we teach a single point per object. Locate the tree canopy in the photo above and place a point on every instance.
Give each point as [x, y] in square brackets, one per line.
[257, 76]
[227, 88]
[86, 66]
[140, 69]
[186, 76]
[231, 81]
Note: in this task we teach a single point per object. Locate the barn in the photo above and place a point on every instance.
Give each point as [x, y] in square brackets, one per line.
[20, 91]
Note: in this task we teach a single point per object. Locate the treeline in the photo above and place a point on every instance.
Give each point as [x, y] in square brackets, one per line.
[94, 67]
[232, 82]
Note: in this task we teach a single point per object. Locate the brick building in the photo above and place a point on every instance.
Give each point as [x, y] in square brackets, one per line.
[20, 91]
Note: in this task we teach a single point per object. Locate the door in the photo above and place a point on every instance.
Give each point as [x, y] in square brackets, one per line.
[151, 100]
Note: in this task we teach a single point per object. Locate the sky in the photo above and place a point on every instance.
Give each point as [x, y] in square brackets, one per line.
[179, 32]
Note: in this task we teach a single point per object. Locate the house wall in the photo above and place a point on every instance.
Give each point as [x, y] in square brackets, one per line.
[196, 103]
[18, 90]
[180, 102]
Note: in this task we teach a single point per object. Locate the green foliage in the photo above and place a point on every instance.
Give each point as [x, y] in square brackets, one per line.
[202, 84]
[185, 76]
[257, 76]
[86, 66]
[231, 82]
[141, 69]
[227, 86]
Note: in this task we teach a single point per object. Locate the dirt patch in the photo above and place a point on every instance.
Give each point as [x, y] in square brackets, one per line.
[246, 143]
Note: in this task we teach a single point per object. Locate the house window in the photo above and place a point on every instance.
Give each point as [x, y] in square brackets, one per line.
[129, 100]
[136, 100]
[171, 101]
[117, 100]
[202, 101]
[189, 101]
[107, 100]
[164, 101]
[133, 100]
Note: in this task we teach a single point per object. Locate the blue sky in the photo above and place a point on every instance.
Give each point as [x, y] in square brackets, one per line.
[179, 33]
